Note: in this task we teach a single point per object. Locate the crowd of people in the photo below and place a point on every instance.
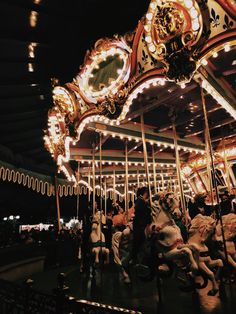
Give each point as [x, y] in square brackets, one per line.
[75, 242]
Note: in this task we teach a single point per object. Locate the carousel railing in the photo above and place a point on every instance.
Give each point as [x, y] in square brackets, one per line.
[23, 299]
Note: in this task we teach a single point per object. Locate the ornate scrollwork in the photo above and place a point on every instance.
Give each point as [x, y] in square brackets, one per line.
[168, 22]
[173, 29]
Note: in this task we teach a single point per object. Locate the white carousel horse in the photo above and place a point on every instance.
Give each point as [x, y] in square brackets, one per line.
[202, 227]
[97, 238]
[122, 241]
[229, 228]
[168, 239]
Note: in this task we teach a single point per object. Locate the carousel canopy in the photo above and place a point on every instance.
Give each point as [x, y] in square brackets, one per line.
[44, 40]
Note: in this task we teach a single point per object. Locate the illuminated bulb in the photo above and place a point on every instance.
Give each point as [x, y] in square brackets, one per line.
[195, 25]
[227, 48]
[182, 85]
[30, 67]
[188, 3]
[149, 16]
[151, 48]
[193, 13]
[204, 62]
[148, 39]
[153, 5]
[33, 18]
[147, 27]
[162, 82]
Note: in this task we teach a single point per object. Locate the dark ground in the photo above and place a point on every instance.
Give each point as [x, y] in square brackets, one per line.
[142, 296]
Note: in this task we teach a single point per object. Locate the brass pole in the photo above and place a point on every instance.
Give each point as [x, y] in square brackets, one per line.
[208, 139]
[77, 205]
[89, 185]
[162, 181]
[154, 170]
[126, 180]
[226, 167]
[57, 203]
[178, 171]
[138, 178]
[209, 170]
[77, 198]
[94, 178]
[114, 185]
[100, 159]
[146, 158]
[105, 197]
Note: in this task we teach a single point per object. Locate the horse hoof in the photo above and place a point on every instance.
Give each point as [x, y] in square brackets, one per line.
[212, 292]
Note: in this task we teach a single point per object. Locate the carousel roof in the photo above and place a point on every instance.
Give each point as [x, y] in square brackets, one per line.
[41, 40]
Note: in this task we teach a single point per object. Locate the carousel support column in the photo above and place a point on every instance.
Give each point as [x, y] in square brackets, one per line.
[138, 183]
[133, 199]
[100, 159]
[114, 185]
[105, 198]
[89, 185]
[146, 158]
[171, 186]
[57, 203]
[154, 170]
[77, 196]
[94, 178]
[226, 168]
[178, 171]
[210, 151]
[77, 203]
[126, 181]
[209, 170]
[162, 181]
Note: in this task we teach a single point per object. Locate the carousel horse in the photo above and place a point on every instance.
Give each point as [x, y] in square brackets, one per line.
[121, 246]
[163, 234]
[201, 229]
[97, 238]
[168, 238]
[229, 228]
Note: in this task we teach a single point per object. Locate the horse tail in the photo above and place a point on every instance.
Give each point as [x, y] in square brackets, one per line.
[116, 238]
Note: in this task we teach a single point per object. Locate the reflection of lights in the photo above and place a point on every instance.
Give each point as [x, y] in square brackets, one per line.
[31, 47]
[30, 67]
[33, 18]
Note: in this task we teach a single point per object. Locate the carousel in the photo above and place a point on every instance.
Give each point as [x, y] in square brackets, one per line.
[149, 121]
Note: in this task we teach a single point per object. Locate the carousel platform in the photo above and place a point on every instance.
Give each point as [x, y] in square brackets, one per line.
[107, 288]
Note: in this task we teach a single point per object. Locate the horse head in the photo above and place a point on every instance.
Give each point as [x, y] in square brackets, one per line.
[229, 227]
[202, 226]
